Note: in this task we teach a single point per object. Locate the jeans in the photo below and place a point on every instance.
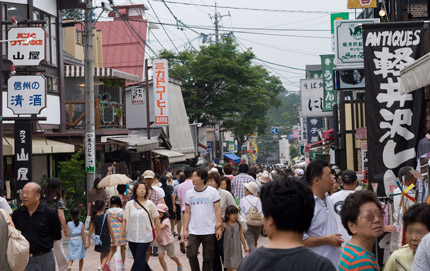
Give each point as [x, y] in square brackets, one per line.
[45, 262]
[251, 236]
[194, 242]
[218, 260]
[139, 250]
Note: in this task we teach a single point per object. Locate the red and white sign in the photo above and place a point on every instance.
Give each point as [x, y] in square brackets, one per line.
[26, 45]
[161, 92]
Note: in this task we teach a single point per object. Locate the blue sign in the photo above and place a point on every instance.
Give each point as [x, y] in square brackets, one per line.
[275, 130]
[313, 129]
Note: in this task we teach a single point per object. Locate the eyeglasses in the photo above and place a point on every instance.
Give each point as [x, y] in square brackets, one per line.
[370, 216]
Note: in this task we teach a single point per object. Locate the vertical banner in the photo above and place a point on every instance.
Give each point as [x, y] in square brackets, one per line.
[161, 92]
[395, 122]
[313, 128]
[330, 95]
[336, 17]
[23, 153]
[90, 153]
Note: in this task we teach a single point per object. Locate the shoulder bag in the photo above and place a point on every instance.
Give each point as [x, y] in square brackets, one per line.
[96, 237]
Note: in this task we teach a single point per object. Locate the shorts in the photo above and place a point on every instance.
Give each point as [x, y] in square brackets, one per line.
[178, 212]
[170, 249]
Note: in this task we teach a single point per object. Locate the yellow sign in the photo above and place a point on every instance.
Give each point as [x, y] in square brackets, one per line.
[353, 4]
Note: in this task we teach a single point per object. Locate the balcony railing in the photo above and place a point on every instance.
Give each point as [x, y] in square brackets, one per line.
[107, 114]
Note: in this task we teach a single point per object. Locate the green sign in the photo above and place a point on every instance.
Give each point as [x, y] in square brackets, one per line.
[337, 16]
[330, 96]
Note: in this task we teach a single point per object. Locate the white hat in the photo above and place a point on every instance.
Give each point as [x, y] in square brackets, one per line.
[264, 178]
[300, 172]
[213, 170]
[168, 174]
[148, 174]
[251, 187]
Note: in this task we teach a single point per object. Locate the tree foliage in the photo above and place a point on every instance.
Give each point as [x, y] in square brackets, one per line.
[223, 85]
[285, 117]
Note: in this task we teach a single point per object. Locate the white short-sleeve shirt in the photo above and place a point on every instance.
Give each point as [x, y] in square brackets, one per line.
[203, 218]
[139, 228]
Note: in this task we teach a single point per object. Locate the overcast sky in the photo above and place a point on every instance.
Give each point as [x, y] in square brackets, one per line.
[278, 47]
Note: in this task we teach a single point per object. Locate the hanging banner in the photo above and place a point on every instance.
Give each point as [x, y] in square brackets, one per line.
[330, 95]
[161, 92]
[312, 95]
[395, 122]
[23, 152]
[354, 4]
[313, 128]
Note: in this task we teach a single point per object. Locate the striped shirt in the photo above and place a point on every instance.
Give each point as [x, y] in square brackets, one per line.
[237, 182]
[355, 258]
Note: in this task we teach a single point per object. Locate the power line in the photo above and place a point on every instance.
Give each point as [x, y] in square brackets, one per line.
[245, 8]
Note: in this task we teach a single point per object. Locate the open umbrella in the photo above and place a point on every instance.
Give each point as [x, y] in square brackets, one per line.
[114, 179]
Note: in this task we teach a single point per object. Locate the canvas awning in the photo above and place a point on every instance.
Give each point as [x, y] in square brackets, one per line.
[39, 146]
[174, 157]
[78, 71]
[140, 144]
[416, 75]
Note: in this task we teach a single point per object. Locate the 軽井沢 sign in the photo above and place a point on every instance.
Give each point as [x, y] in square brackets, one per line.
[26, 94]
[311, 96]
[395, 122]
[161, 92]
[26, 45]
[349, 41]
[354, 4]
[22, 152]
[90, 153]
[330, 95]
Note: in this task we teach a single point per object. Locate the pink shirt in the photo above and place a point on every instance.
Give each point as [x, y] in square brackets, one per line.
[182, 190]
[166, 233]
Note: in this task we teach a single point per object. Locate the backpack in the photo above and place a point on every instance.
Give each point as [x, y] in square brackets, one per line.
[17, 249]
[254, 217]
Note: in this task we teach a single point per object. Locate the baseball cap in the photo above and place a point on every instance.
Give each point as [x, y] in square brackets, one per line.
[148, 174]
[349, 176]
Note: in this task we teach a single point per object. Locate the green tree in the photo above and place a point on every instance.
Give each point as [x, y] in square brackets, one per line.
[72, 174]
[294, 150]
[223, 85]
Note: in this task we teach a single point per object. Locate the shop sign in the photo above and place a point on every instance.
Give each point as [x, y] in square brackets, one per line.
[330, 95]
[161, 94]
[23, 153]
[26, 94]
[90, 152]
[312, 95]
[26, 45]
[349, 41]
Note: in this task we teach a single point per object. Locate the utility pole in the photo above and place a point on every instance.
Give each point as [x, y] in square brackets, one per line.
[217, 17]
[90, 138]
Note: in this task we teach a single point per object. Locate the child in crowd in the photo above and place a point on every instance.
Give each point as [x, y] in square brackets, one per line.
[77, 244]
[99, 226]
[233, 236]
[115, 218]
[166, 235]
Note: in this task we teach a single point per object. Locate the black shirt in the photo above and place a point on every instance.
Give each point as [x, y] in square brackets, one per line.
[294, 259]
[40, 229]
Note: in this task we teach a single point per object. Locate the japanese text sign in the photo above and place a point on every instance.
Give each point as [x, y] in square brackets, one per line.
[161, 92]
[90, 152]
[364, 159]
[395, 122]
[137, 96]
[330, 95]
[23, 152]
[349, 41]
[26, 45]
[26, 94]
[313, 127]
[311, 95]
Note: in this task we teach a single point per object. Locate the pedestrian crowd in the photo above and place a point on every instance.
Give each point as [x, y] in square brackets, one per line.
[310, 222]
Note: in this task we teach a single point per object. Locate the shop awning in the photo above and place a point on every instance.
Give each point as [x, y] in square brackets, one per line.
[174, 157]
[233, 157]
[78, 71]
[140, 144]
[416, 75]
[319, 146]
[40, 146]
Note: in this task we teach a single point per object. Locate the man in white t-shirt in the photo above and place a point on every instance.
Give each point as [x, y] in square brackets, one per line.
[349, 183]
[202, 220]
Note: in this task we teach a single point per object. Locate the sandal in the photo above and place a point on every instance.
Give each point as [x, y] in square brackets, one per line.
[180, 268]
